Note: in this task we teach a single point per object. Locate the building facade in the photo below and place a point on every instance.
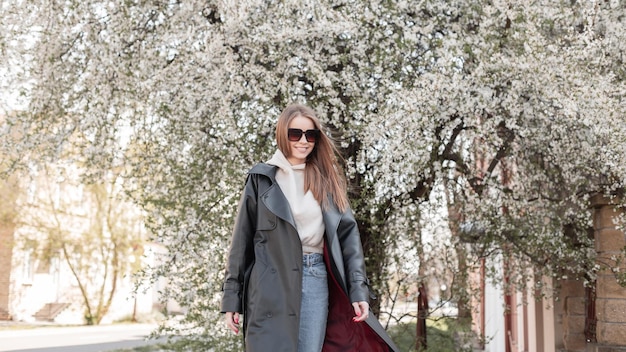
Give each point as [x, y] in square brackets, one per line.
[580, 318]
[65, 246]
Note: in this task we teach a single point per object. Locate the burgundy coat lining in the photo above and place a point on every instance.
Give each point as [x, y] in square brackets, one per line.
[341, 331]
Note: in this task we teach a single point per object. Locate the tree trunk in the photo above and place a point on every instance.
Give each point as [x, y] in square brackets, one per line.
[422, 314]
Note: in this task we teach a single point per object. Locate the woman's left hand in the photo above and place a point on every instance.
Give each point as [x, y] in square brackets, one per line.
[361, 310]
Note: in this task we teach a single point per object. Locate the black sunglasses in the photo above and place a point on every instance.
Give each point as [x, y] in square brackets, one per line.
[294, 135]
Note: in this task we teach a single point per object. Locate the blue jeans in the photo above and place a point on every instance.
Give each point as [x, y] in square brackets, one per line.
[314, 306]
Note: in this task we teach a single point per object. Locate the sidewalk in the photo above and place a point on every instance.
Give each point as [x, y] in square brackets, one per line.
[51, 337]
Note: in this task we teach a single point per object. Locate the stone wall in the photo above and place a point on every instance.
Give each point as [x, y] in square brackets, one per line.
[610, 296]
[6, 239]
[8, 192]
[569, 312]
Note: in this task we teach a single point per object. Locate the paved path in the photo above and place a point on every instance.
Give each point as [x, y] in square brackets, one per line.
[76, 339]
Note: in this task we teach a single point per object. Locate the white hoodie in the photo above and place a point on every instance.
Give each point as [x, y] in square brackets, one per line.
[305, 209]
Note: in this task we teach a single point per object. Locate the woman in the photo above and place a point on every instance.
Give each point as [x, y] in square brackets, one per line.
[295, 268]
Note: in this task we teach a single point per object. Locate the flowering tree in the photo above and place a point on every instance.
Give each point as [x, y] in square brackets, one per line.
[513, 108]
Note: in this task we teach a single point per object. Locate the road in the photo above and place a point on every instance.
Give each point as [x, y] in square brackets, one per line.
[76, 339]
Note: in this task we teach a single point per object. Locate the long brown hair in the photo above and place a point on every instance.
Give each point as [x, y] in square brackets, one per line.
[323, 174]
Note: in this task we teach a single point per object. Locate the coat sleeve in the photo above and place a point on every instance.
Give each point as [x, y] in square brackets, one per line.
[241, 255]
[353, 259]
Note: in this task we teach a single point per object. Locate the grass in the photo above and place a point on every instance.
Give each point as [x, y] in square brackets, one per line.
[441, 336]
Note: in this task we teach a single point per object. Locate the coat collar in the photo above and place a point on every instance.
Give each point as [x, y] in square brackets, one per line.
[277, 203]
[273, 197]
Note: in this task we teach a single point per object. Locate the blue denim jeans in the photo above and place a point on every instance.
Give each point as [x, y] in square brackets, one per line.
[314, 307]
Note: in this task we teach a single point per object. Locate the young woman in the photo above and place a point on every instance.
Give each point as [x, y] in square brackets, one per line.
[295, 268]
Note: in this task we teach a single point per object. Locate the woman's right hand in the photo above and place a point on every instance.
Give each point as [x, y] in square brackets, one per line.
[232, 321]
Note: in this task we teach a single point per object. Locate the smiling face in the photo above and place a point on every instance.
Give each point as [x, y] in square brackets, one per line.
[300, 150]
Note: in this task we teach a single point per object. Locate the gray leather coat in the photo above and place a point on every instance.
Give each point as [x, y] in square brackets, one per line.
[264, 273]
